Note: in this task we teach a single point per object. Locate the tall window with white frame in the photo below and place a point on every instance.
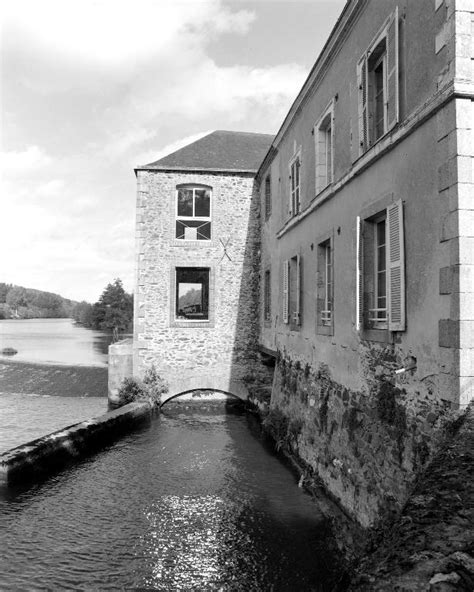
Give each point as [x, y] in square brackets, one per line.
[267, 306]
[295, 197]
[377, 77]
[377, 73]
[268, 196]
[325, 289]
[193, 213]
[381, 272]
[323, 133]
[378, 314]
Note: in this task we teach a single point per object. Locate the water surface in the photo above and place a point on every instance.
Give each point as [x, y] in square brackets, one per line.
[27, 417]
[57, 341]
[191, 502]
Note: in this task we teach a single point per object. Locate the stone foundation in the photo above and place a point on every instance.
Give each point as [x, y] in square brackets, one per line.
[366, 447]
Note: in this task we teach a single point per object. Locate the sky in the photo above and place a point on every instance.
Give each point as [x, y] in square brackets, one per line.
[92, 88]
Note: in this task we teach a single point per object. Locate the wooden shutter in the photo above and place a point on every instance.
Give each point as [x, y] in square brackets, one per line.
[290, 202]
[392, 71]
[286, 299]
[298, 291]
[396, 267]
[359, 275]
[363, 91]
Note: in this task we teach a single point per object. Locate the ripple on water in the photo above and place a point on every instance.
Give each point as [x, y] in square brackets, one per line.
[188, 503]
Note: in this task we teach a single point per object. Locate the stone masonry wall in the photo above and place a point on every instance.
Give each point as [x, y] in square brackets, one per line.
[226, 347]
[366, 447]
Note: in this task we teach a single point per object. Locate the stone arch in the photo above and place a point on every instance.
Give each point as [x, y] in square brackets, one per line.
[214, 383]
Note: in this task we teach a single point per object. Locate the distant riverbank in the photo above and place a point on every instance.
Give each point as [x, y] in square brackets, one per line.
[52, 379]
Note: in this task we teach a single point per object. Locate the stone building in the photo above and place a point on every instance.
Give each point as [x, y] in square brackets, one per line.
[367, 247]
[197, 246]
[343, 247]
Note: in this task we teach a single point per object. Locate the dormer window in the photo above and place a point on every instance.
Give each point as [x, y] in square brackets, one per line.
[193, 213]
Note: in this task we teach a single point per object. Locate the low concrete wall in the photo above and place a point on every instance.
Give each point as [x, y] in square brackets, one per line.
[120, 366]
[51, 452]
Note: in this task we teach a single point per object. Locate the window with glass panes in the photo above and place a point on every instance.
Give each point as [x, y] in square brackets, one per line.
[193, 213]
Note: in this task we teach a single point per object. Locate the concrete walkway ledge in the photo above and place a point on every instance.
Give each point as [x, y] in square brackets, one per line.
[33, 460]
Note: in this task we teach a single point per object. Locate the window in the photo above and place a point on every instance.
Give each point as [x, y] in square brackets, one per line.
[292, 313]
[325, 289]
[267, 310]
[381, 271]
[193, 213]
[377, 73]
[192, 294]
[323, 134]
[295, 169]
[268, 197]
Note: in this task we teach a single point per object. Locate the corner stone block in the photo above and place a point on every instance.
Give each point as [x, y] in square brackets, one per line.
[445, 280]
[466, 333]
[465, 166]
[466, 388]
[448, 333]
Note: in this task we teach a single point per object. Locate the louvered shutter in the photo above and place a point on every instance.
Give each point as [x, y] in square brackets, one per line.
[290, 201]
[362, 84]
[392, 70]
[396, 267]
[285, 290]
[359, 274]
[297, 318]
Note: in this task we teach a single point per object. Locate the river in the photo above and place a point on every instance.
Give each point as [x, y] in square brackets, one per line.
[54, 341]
[193, 501]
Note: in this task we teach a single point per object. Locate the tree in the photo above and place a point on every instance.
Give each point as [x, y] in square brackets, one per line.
[114, 310]
[17, 297]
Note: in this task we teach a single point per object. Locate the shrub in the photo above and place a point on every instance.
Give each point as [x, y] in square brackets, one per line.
[149, 389]
[276, 423]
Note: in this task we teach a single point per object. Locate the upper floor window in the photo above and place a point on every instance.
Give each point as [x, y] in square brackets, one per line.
[193, 213]
[268, 196]
[377, 72]
[295, 169]
[324, 149]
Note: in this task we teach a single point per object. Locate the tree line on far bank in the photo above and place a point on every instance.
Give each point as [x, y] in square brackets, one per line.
[17, 302]
[112, 312]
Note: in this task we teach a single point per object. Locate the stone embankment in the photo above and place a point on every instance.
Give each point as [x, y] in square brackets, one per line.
[49, 379]
[430, 546]
[49, 453]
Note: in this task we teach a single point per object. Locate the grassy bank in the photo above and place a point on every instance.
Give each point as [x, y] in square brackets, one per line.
[58, 380]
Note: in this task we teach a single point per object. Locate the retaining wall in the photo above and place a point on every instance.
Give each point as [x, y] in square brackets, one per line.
[51, 452]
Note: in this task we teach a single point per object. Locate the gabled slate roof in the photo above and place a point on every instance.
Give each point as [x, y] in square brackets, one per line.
[219, 151]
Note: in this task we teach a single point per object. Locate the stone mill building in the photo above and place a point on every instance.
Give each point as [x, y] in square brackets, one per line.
[343, 248]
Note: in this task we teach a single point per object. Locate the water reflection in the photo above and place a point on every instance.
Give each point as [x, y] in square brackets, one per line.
[189, 503]
[58, 341]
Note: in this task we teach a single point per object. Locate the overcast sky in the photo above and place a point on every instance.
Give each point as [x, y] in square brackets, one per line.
[92, 88]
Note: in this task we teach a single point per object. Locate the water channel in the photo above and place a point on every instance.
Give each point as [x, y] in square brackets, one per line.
[193, 501]
[196, 499]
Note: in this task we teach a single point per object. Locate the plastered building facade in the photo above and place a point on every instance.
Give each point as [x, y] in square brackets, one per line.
[367, 247]
[343, 247]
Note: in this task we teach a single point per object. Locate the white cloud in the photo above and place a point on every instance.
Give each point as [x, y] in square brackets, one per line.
[113, 31]
[150, 156]
[101, 87]
[24, 161]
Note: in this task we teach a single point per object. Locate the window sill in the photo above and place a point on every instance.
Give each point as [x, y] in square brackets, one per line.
[192, 324]
[380, 335]
[176, 242]
[325, 330]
